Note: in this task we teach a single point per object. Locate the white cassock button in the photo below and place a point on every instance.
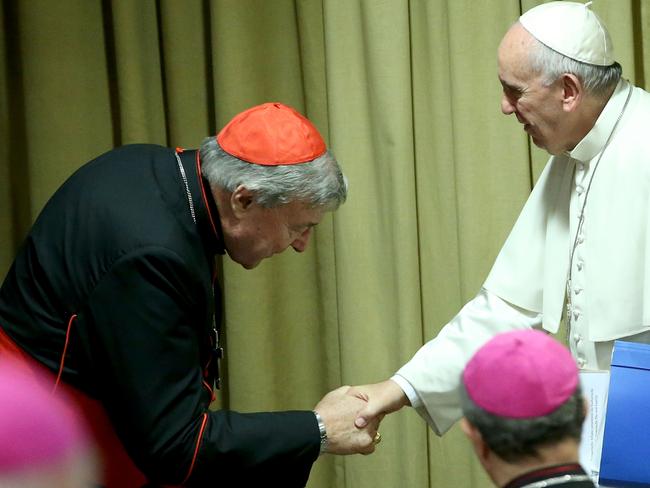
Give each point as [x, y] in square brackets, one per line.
[580, 265]
[581, 166]
[581, 239]
[577, 291]
[581, 362]
[577, 337]
[576, 314]
[579, 189]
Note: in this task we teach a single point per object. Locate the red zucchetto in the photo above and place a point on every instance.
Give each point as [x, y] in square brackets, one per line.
[271, 134]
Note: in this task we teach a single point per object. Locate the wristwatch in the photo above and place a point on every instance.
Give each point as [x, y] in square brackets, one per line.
[322, 431]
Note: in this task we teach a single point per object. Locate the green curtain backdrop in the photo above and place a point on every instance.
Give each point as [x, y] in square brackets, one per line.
[407, 96]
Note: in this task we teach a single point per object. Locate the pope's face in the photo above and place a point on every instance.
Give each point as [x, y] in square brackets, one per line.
[262, 232]
[536, 106]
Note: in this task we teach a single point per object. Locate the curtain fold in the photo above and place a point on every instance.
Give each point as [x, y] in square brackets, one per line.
[406, 95]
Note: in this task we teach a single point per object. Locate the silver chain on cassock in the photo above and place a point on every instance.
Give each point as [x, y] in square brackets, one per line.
[190, 202]
[581, 216]
[567, 478]
[187, 186]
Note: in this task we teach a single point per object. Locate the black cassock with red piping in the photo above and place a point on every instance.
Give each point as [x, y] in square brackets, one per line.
[118, 247]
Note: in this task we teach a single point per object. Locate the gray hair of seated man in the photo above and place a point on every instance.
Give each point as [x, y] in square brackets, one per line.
[319, 183]
[597, 80]
[516, 439]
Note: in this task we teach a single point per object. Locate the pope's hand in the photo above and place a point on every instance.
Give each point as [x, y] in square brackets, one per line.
[382, 398]
[338, 410]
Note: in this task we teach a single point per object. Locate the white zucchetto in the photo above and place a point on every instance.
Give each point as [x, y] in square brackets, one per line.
[572, 29]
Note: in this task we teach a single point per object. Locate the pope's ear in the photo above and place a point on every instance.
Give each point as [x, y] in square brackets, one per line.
[241, 200]
[572, 92]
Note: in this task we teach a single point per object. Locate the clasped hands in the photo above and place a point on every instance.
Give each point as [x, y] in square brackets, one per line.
[352, 415]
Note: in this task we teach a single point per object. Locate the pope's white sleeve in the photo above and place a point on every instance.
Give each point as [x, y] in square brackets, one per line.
[433, 373]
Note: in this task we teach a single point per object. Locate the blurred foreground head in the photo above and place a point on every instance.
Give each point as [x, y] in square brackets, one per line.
[42, 440]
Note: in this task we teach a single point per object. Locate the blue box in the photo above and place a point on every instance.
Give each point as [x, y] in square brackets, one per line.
[625, 460]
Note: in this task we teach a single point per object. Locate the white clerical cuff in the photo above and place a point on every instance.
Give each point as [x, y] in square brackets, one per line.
[409, 391]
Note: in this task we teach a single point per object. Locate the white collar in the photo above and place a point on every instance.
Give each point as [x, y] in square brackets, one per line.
[593, 142]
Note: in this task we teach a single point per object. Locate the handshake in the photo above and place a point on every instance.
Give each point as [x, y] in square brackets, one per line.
[352, 415]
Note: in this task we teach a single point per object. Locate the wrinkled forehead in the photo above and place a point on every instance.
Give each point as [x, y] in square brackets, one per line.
[301, 213]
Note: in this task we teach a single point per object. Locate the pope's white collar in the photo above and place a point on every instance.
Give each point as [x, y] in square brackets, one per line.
[593, 142]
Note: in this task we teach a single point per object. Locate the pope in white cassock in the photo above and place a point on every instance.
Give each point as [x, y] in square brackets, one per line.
[583, 236]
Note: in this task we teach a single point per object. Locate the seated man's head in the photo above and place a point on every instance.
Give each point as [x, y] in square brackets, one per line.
[273, 179]
[522, 404]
